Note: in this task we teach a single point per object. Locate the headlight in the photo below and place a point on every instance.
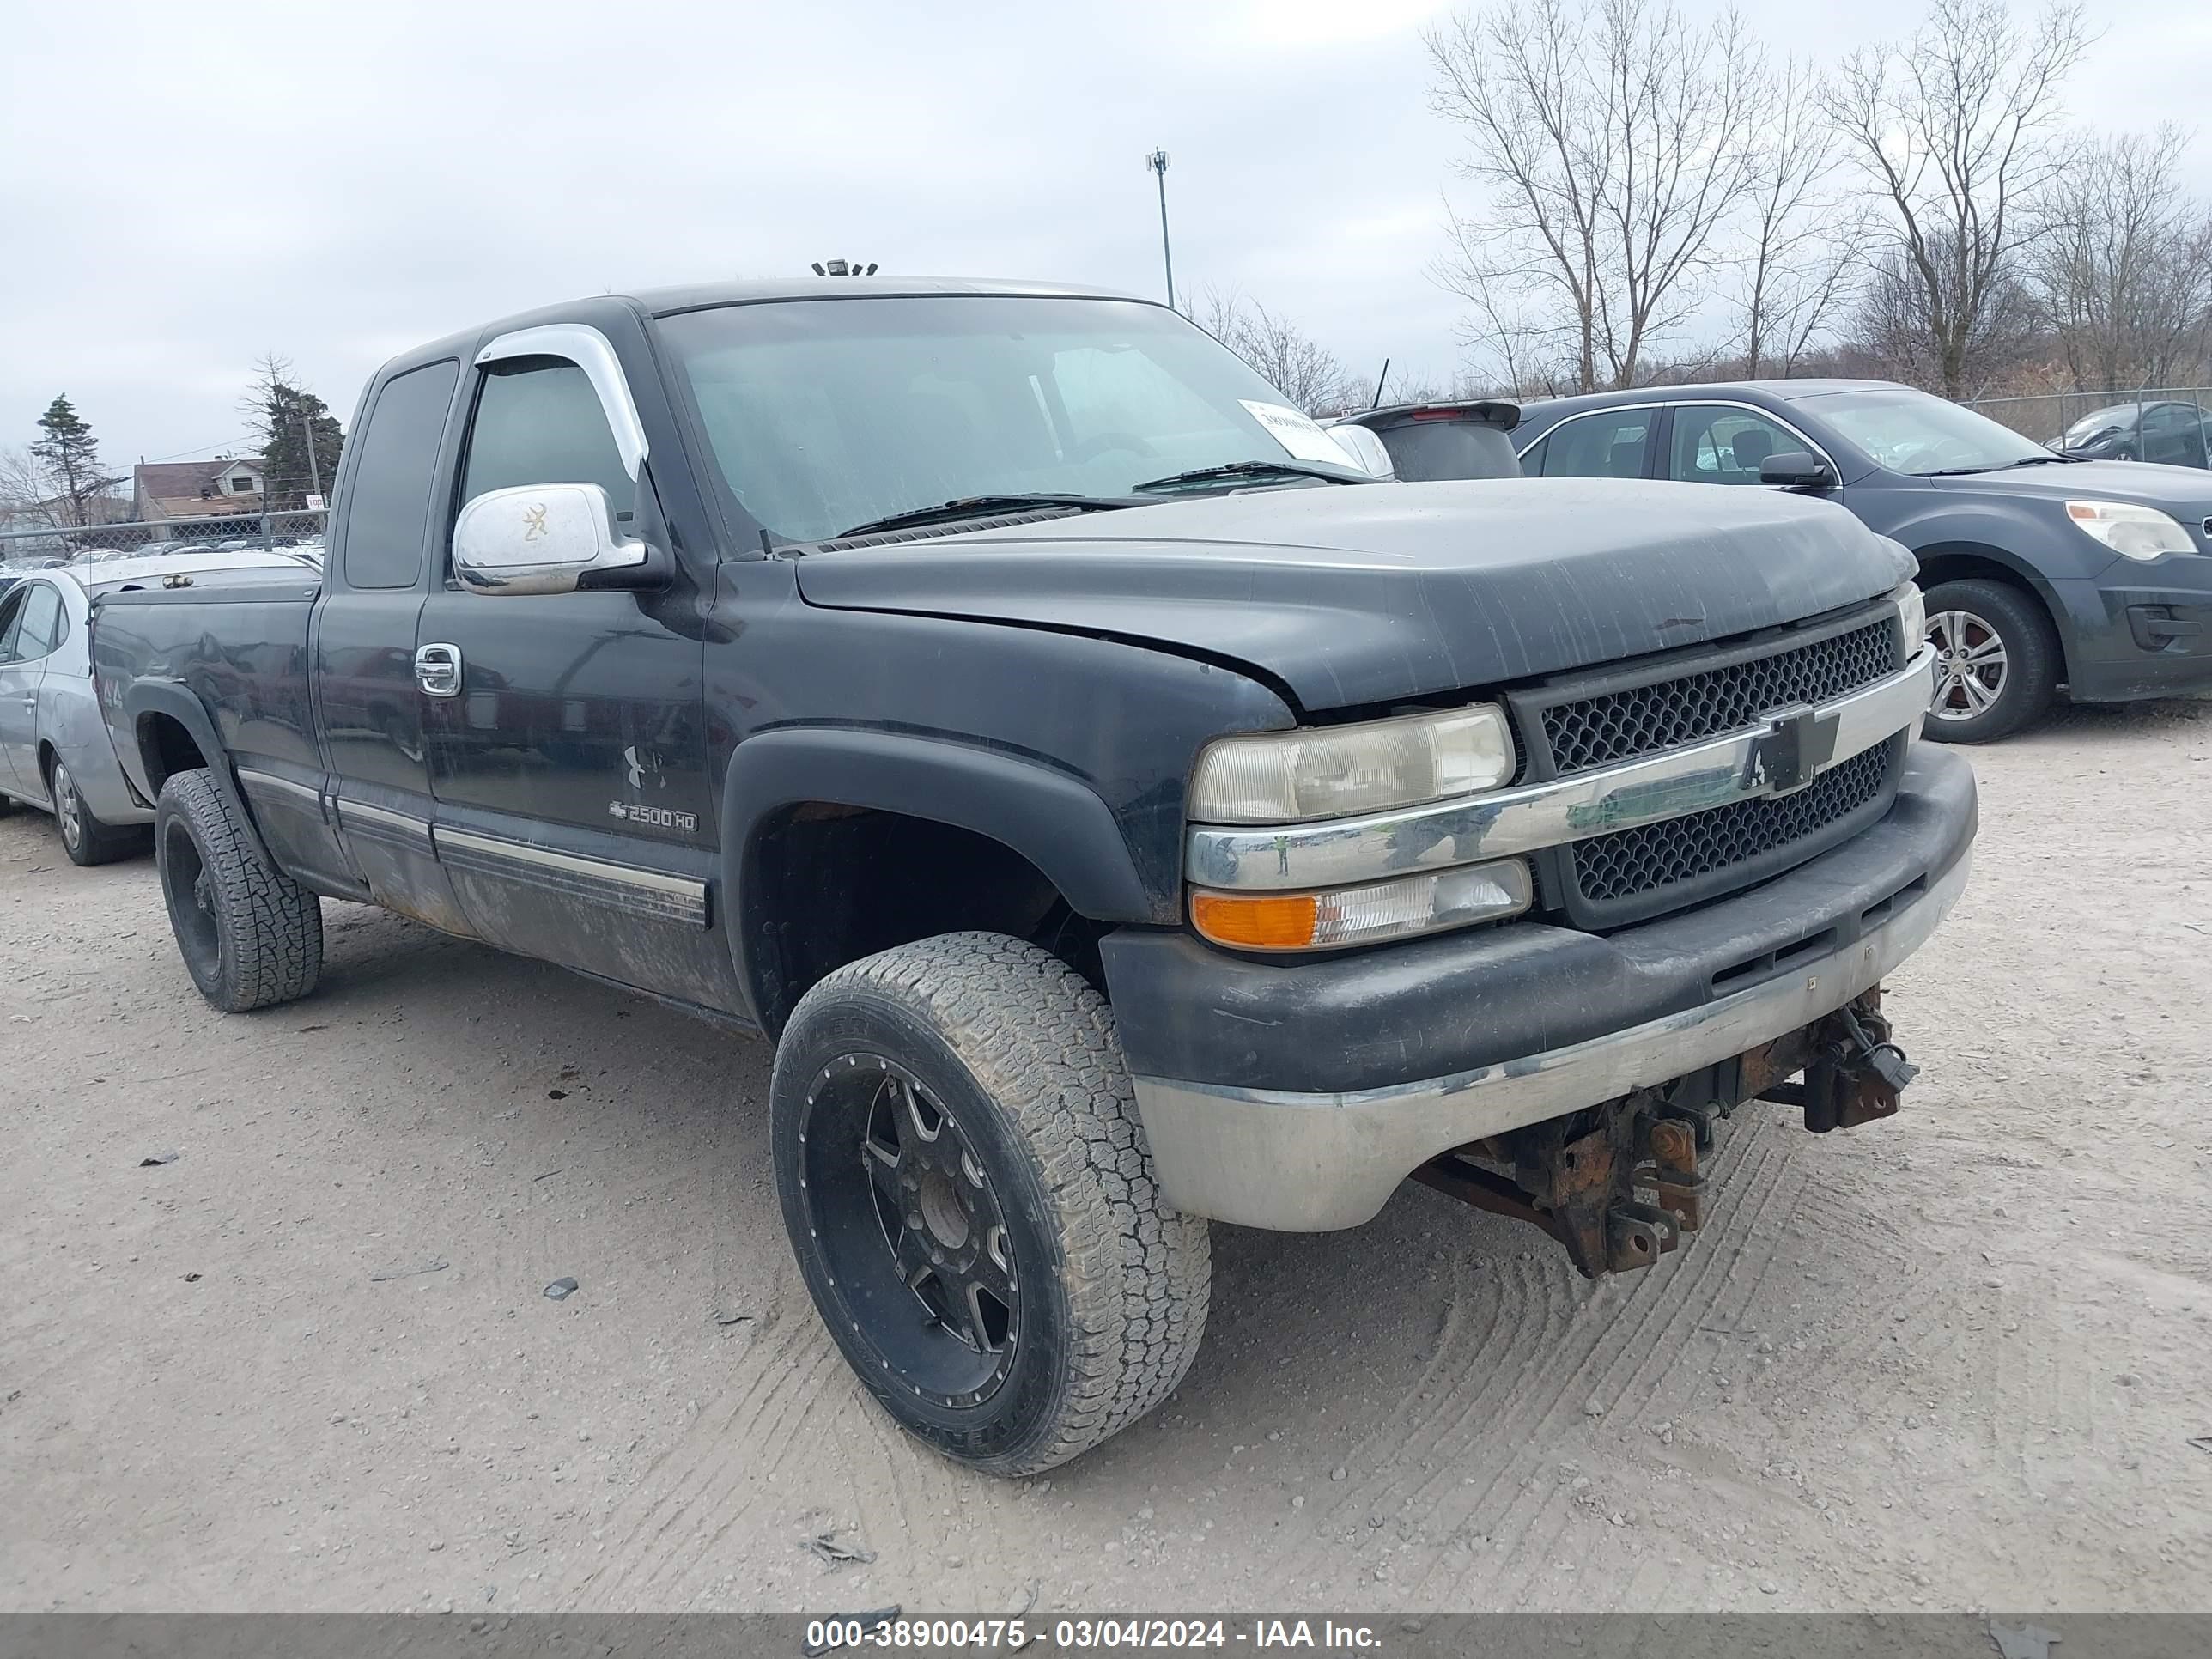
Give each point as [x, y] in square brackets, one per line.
[1913, 608]
[2133, 533]
[1365, 914]
[1334, 771]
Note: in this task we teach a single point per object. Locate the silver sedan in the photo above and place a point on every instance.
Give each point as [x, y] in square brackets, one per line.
[55, 754]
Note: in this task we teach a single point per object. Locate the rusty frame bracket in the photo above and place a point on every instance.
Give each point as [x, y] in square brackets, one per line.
[1583, 1178]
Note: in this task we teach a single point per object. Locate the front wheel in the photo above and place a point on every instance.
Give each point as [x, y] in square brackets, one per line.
[250, 936]
[1996, 661]
[969, 1192]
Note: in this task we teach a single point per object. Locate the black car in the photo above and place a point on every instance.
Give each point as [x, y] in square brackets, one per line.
[2176, 434]
[2041, 570]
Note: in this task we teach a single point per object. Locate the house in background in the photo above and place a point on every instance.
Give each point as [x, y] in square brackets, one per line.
[172, 492]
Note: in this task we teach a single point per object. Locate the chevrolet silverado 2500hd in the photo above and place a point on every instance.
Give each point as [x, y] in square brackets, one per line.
[1121, 811]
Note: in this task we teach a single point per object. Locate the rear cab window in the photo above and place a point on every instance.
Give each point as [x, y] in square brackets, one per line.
[388, 511]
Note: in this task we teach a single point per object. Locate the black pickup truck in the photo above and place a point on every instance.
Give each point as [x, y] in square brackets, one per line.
[1121, 811]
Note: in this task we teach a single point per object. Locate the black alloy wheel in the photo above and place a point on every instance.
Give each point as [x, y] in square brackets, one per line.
[912, 1229]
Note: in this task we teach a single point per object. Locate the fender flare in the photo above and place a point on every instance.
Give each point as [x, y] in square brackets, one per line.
[1053, 820]
[177, 701]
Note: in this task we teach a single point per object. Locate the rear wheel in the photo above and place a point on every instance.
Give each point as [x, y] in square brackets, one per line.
[249, 935]
[968, 1192]
[1996, 661]
[84, 837]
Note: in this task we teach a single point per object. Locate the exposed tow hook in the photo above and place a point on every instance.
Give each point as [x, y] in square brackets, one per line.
[1856, 1073]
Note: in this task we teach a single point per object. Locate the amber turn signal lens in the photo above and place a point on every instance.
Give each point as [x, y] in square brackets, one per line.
[1361, 915]
[1261, 922]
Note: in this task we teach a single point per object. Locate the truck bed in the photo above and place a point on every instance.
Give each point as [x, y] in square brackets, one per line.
[239, 647]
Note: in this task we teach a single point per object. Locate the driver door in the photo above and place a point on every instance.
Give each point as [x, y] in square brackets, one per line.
[567, 749]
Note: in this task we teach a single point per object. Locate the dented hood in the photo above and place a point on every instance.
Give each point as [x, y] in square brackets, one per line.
[1359, 595]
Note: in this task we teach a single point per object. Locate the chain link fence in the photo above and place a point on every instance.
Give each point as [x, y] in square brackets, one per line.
[43, 546]
[2171, 424]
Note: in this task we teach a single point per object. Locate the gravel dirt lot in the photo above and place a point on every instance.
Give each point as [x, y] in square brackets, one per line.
[1954, 1361]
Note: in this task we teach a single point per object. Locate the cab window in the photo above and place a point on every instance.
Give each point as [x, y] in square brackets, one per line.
[388, 507]
[539, 422]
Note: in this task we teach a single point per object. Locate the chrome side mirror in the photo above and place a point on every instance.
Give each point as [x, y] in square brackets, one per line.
[539, 539]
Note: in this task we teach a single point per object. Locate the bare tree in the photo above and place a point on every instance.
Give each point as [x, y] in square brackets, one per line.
[1957, 133]
[26, 502]
[1803, 236]
[1612, 142]
[1299, 367]
[2122, 269]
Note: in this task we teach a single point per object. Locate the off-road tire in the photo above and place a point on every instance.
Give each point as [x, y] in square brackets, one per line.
[1113, 1284]
[95, 842]
[2032, 661]
[250, 937]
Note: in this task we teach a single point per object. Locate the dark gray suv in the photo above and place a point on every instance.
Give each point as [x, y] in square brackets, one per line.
[2041, 571]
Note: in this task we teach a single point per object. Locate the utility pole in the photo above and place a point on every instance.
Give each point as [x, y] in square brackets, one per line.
[314, 469]
[1157, 162]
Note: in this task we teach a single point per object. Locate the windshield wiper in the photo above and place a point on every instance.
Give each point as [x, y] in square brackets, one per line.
[977, 506]
[2005, 466]
[1254, 469]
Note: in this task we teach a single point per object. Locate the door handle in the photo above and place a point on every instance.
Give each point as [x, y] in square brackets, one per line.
[438, 670]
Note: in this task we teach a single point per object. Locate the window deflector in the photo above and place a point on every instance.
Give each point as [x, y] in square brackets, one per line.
[589, 350]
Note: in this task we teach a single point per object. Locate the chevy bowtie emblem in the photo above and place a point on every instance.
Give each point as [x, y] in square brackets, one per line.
[1791, 753]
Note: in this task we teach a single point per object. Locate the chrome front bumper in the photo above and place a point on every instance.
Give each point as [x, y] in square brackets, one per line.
[1311, 1163]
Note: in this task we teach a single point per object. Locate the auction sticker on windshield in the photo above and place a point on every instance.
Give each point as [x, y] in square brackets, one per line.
[1298, 433]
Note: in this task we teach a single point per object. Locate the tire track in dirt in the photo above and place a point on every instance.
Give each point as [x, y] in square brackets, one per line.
[703, 1473]
[1757, 1179]
[1522, 1317]
[1515, 1498]
[710, 1499]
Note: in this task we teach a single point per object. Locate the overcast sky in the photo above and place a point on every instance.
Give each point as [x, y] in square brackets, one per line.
[187, 188]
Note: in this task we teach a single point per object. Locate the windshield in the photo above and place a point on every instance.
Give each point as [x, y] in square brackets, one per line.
[824, 414]
[1909, 431]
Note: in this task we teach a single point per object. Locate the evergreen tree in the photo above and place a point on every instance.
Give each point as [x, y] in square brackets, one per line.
[301, 439]
[70, 456]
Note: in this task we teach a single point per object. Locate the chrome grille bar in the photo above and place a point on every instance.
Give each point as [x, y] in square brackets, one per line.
[1744, 765]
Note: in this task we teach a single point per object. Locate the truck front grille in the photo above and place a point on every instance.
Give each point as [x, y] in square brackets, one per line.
[1582, 722]
[1639, 863]
[1592, 732]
